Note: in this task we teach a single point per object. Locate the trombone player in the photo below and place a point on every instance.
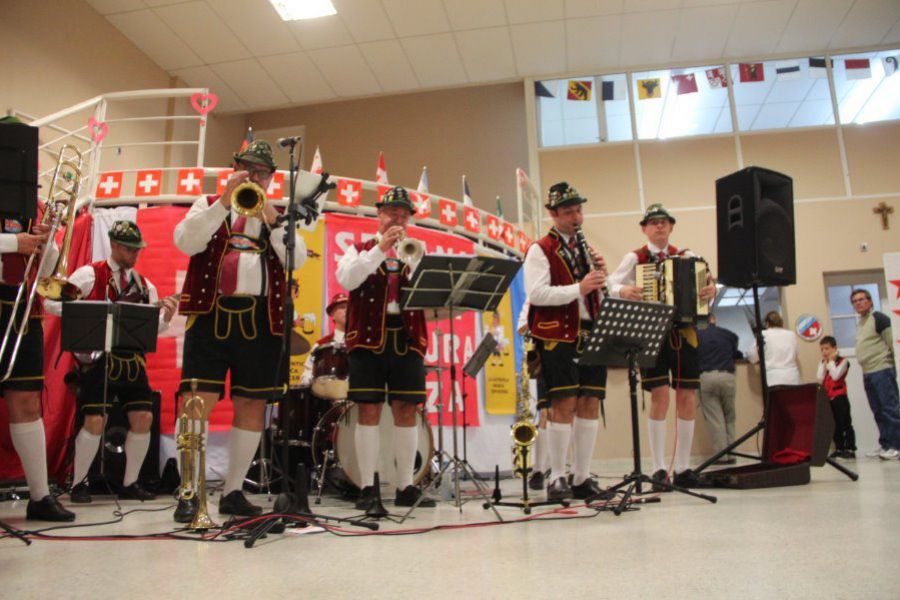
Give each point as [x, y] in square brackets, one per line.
[233, 295]
[19, 240]
[386, 346]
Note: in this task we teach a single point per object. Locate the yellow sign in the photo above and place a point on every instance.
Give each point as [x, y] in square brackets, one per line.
[309, 305]
[648, 88]
[500, 369]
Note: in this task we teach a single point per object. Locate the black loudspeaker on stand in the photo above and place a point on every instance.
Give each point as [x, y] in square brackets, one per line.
[755, 222]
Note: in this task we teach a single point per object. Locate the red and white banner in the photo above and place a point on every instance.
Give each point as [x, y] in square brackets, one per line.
[190, 182]
[349, 192]
[148, 183]
[109, 185]
[276, 186]
[422, 202]
[509, 236]
[471, 219]
[448, 215]
[494, 227]
[341, 232]
[222, 180]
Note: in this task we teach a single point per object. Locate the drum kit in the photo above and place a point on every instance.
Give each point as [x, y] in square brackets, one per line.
[323, 422]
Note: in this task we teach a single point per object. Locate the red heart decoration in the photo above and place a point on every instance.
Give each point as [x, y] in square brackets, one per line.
[204, 103]
[97, 130]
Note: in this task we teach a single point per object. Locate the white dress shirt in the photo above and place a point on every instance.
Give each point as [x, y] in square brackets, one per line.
[306, 378]
[537, 282]
[781, 356]
[836, 371]
[10, 245]
[202, 221]
[625, 272]
[83, 278]
[355, 267]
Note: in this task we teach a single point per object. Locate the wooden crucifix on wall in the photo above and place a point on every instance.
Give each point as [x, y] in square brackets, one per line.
[885, 211]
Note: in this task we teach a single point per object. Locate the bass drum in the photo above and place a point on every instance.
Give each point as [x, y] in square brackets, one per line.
[335, 441]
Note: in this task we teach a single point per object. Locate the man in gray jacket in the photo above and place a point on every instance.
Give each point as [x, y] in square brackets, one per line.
[875, 353]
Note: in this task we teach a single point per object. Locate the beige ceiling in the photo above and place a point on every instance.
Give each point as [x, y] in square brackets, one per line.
[253, 60]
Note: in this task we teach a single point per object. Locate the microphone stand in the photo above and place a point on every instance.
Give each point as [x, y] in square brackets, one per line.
[292, 505]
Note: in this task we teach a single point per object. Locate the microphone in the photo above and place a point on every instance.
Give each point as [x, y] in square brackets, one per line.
[289, 141]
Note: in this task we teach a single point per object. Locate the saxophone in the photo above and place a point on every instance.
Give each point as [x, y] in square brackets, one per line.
[524, 432]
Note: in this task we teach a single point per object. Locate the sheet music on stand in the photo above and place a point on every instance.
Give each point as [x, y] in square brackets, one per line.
[624, 326]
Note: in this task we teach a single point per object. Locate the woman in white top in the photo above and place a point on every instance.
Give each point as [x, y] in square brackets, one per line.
[781, 352]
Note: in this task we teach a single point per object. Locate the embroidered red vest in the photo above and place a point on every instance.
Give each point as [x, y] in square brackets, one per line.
[201, 284]
[646, 256]
[555, 323]
[367, 311]
[105, 288]
[325, 340]
[14, 263]
[835, 388]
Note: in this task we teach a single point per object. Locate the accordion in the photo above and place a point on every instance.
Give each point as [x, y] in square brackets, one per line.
[676, 281]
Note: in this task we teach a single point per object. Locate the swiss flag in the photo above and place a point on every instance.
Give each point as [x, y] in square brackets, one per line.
[448, 214]
[422, 203]
[381, 175]
[524, 242]
[148, 183]
[471, 219]
[276, 187]
[494, 227]
[509, 235]
[349, 192]
[109, 185]
[316, 166]
[190, 182]
[222, 180]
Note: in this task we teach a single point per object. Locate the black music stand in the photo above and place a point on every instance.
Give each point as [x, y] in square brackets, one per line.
[458, 283]
[628, 334]
[92, 326]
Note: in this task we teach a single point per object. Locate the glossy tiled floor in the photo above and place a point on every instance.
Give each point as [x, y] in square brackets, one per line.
[830, 539]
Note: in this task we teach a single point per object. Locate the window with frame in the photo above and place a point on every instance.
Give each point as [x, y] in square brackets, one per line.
[867, 86]
[583, 110]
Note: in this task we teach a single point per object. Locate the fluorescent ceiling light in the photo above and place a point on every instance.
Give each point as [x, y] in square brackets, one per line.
[294, 10]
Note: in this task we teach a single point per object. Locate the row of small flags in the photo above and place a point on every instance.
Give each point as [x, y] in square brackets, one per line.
[581, 90]
[189, 182]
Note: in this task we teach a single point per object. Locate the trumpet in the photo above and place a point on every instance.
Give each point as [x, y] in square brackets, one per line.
[62, 196]
[248, 199]
[192, 448]
[409, 249]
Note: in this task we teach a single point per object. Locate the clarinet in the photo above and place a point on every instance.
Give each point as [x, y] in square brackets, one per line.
[582, 243]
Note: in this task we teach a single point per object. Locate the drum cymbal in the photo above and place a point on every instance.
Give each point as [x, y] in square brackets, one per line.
[299, 344]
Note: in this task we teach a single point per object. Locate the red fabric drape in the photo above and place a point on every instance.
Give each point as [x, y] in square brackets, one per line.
[58, 405]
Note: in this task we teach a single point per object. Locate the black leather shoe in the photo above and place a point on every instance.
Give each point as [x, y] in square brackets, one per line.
[366, 498]
[48, 508]
[235, 503]
[687, 479]
[136, 492]
[185, 511]
[848, 454]
[80, 494]
[559, 489]
[589, 489]
[409, 495]
[536, 482]
[659, 478]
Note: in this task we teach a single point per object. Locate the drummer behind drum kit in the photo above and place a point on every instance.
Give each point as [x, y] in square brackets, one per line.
[325, 422]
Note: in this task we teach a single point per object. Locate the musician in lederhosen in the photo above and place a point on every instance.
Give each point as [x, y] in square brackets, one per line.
[115, 280]
[234, 296]
[19, 239]
[678, 362]
[565, 299]
[337, 310]
[387, 348]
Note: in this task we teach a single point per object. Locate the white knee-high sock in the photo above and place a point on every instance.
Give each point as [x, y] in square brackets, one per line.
[31, 445]
[657, 438]
[136, 446]
[367, 438]
[684, 437]
[242, 445]
[558, 436]
[405, 442]
[540, 451]
[583, 452]
[86, 445]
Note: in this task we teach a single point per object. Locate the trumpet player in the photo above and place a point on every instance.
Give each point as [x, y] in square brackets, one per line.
[233, 295]
[114, 280]
[564, 293]
[386, 346]
[20, 239]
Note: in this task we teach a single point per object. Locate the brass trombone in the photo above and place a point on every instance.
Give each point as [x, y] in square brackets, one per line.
[62, 196]
[191, 443]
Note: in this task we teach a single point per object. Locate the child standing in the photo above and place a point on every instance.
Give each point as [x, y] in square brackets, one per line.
[832, 375]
